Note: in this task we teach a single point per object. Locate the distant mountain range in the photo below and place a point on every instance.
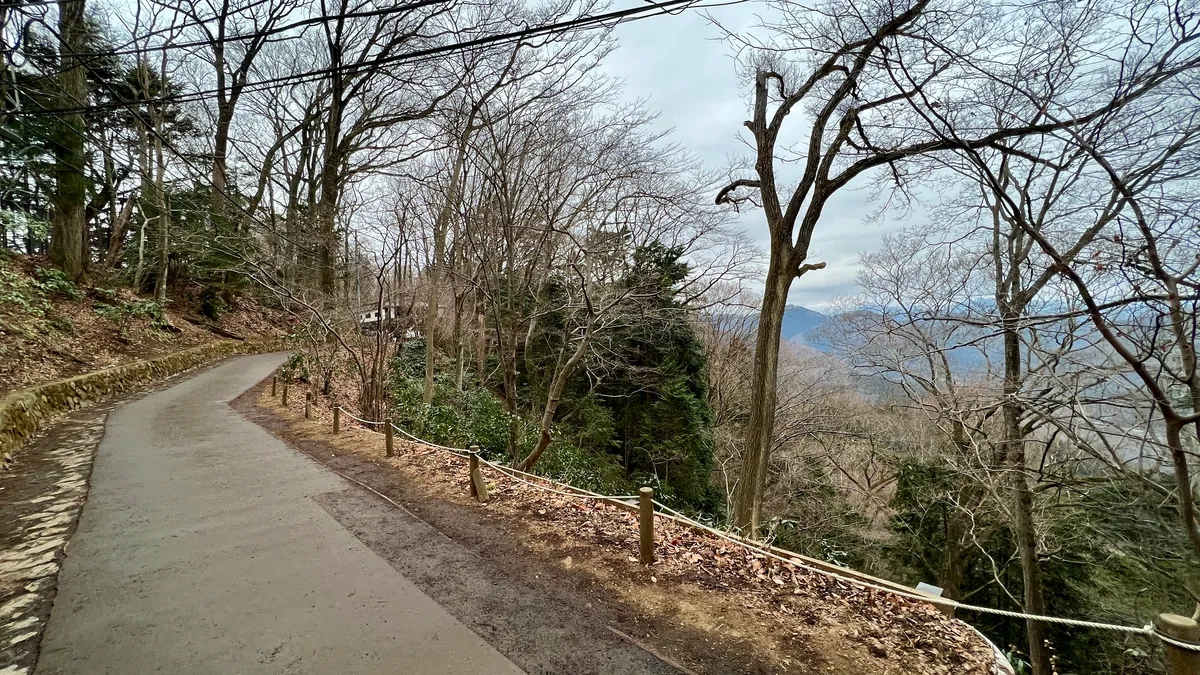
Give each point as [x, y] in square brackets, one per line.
[799, 322]
[798, 325]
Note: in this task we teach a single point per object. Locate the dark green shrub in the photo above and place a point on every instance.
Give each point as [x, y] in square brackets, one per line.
[295, 368]
[212, 305]
[53, 280]
[486, 422]
[596, 471]
[124, 313]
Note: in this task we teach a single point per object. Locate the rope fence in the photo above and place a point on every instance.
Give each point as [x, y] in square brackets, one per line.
[360, 420]
[1190, 649]
[912, 595]
[579, 493]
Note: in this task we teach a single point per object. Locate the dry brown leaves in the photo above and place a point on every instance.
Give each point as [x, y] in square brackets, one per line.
[794, 598]
[73, 339]
[791, 602]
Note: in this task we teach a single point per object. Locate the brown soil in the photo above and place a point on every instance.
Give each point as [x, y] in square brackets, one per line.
[49, 336]
[705, 606]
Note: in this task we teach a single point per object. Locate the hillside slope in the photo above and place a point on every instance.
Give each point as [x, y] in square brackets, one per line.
[52, 329]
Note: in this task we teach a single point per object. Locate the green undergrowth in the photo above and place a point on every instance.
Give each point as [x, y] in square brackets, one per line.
[475, 416]
[33, 295]
[598, 443]
[31, 299]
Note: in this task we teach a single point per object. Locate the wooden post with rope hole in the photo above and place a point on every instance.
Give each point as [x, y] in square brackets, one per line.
[478, 487]
[646, 523]
[285, 389]
[1180, 660]
[308, 406]
[337, 418]
[389, 441]
[1185, 657]
[274, 385]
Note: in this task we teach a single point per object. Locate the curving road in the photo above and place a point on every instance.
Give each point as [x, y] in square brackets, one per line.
[201, 550]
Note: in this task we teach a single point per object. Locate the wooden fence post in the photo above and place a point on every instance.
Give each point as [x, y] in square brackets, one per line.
[646, 523]
[274, 385]
[308, 406]
[387, 435]
[478, 487]
[285, 388]
[337, 418]
[1180, 660]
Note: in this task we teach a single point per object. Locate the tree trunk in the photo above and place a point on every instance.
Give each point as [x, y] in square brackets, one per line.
[440, 228]
[553, 397]
[748, 495]
[326, 218]
[1183, 328]
[1183, 483]
[960, 546]
[164, 248]
[331, 183]
[68, 241]
[146, 202]
[116, 240]
[164, 208]
[1026, 529]
[506, 346]
[460, 349]
[218, 207]
[480, 347]
[957, 554]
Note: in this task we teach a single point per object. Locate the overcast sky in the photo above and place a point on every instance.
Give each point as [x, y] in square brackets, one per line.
[684, 71]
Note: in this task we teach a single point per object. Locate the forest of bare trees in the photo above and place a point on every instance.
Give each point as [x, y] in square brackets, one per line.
[480, 235]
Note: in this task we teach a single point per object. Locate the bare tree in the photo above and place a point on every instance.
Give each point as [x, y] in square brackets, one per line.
[235, 34]
[541, 69]
[367, 108]
[841, 48]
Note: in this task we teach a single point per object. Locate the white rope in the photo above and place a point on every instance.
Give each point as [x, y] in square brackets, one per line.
[932, 599]
[515, 474]
[357, 418]
[457, 451]
[1190, 646]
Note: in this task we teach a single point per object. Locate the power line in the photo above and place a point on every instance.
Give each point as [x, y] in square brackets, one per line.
[122, 50]
[30, 3]
[200, 173]
[557, 28]
[588, 22]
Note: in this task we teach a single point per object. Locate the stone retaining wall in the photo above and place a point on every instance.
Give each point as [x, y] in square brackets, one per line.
[25, 411]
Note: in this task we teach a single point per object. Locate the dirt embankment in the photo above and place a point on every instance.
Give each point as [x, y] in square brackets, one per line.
[705, 606]
[51, 329]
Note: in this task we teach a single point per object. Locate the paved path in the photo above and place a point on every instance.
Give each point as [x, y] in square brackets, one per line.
[201, 550]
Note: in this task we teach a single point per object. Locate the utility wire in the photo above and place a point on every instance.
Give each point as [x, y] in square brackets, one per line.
[123, 49]
[582, 23]
[557, 28]
[604, 20]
